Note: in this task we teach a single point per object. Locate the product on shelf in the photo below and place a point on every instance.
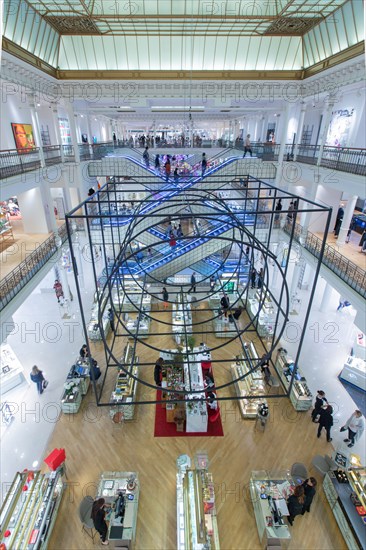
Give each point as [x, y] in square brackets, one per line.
[300, 396]
[249, 381]
[125, 389]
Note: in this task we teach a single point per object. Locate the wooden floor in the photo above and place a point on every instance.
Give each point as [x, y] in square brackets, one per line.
[93, 444]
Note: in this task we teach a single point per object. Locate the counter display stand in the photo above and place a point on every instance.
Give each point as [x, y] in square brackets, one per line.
[300, 396]
[138, 298]
[269, 492]
[28, 515]
[253, 384]
[93, 326]
[354, 372]
[137, 324]
[181, 317]
[76, 386]
[267, 316]
[214, 300]
[196, 511]
[196, 411]
[125, 389]
[359, 347]
[338, 487]
[122, 518]
[11, 370]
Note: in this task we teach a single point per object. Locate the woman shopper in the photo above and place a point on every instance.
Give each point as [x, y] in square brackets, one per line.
[98, 517]
[356, 426]
[320, 401]
[38, 378]
[309, 490]
[295, 503]
[325, 421]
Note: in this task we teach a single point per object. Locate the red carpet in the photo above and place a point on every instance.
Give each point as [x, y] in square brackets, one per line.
[168, 429]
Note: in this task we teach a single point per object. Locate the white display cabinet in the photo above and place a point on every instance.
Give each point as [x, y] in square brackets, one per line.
[267, 314]
[93, 326]
[354, 372]
[300, 396]
[248, 382]
[11, 370]
[28, 516]
[197, 527]
[181, 317]
[196, 411]
[359, 346]
[131, 297]
[137, 324]
[125, 389]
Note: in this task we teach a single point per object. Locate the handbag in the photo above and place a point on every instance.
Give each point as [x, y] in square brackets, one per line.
[343, 429]
[44, 384]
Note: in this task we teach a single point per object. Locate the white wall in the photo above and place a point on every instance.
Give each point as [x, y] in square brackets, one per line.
[312, 118]
[13, 109]
[32, 209]
[329, 197]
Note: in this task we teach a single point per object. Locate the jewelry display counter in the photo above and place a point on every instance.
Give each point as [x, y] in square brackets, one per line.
[354, 372]
[197, 527]
[181, 317]
[267, 314]
[196, 411]
[248, 382]
[76, 386]
[214, 300]
[11, 370]
[137, 323]
[131, 297]
[300, 396]
[125, 390]
[93, 327]
[29, 511]
[338, 487]
[121, 490]
[269, 493]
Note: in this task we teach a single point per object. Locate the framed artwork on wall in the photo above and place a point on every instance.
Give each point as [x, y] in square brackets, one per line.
[23, 136]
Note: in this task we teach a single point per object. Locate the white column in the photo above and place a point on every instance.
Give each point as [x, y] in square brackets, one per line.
[73, 130]
[300, 126]
[348, 213]
[37, 131]
[56, 125]
[89, 130]
[282, 145]
[327, 113]
[264, 128]
[327, 294]
[295, 278]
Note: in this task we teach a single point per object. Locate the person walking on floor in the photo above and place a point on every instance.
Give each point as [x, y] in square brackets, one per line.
[165, 298]
[325, 421]
[157, 165]
[37, 377]
[295, 503]
[320, 401]
[356, 426]
[146, 157]
[167, 167]
[57, 287]
[193, 283]
[176, 175]
[212, 282]
[158, 371]
[253, 277]
[203, 163]
[278, 212]
[247, 146]
[260, 278]
[309, 491]
[98, 517]
[111, 319]
[225, 303]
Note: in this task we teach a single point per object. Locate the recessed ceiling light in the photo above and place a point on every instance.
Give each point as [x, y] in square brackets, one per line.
[35, 464]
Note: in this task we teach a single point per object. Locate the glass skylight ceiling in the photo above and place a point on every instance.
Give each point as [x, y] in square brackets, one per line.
[183, 34]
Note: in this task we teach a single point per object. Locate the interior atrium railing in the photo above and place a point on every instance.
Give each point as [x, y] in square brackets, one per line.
[18, 161]
[12, 283]
[346, 270]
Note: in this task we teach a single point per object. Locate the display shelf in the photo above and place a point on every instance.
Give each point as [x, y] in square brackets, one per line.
[137, 324]
[196, 411]
[181, 317]
[359, 347]
[214, 300]
[223, 328]
[267, 314]
[300, 396]
[251, 385]
[80, 371]
[269, 493]
[125, 389]
[354, 372]
[131, 298]
[197, 527]
[338, 491]
[28, 515]
[6, 231]
[11, 370]
[93, 327]
[122, 520]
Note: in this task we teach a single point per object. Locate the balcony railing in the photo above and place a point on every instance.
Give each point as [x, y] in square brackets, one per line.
[346, 270]
[18, 161]
[12, 283]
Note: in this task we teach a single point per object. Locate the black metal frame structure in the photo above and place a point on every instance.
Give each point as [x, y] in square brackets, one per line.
[253, 221]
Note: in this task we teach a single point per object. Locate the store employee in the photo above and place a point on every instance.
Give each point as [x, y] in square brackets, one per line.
[84, 352]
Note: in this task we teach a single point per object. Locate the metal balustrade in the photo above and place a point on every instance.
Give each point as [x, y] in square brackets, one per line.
[18, 161]
[17, 279]
[52, 154]
[346, 270]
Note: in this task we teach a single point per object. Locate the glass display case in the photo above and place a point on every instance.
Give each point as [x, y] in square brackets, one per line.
[11, 370]
[197, 527]
[267, 313]
[196, 411]
[30, 508]
[300, 396]
[269, 492]
[248, 382]
[93, 326]
[181, 317]
[354, 372]
[137, 324]
[131, 297]
[346, 495]
[120, 490]
[125, 389]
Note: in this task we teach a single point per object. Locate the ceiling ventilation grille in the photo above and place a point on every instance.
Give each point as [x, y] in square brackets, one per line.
[292, 25]
[72, 25]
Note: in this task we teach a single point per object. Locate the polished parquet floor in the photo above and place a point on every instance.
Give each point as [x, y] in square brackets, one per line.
[94, 444]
